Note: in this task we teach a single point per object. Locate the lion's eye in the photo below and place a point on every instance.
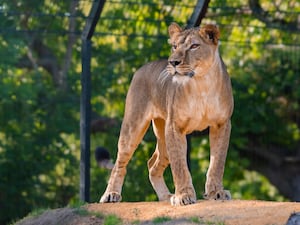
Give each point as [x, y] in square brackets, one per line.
[174, 47]
[194, 46]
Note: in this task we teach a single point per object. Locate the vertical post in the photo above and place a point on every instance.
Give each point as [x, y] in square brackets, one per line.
[85, 103]
[198, 13]
[188, 150]
[195, 20]
[85, 112]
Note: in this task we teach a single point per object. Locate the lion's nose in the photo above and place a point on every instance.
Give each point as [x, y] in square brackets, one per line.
[174, 63]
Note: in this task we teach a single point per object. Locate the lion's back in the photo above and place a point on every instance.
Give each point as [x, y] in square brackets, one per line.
[151, 70]
[145, 79]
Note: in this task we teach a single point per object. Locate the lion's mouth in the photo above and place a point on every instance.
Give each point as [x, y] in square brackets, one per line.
[189, 74]
[178, 71]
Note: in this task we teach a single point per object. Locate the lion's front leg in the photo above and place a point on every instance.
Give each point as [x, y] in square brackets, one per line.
[176, 147]
[219, 140]
[131, 135]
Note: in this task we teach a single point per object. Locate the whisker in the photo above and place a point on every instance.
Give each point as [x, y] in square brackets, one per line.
[163, 76]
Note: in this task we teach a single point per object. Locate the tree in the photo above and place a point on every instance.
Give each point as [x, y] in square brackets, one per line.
[38, 122]
[40, 85]
[265, 86]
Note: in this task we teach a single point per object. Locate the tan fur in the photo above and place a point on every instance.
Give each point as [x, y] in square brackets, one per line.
[192, 94]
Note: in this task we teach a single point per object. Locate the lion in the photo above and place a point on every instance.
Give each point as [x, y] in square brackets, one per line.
[191, 91]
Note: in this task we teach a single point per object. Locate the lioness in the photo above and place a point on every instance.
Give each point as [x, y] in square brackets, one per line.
[189, 91]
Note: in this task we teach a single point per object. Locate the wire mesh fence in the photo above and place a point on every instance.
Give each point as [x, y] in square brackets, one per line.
[40, 71]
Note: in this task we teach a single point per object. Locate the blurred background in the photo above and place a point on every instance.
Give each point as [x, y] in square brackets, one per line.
[40, 69]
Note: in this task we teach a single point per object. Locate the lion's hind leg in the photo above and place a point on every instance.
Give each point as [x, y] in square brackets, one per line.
[158, 162]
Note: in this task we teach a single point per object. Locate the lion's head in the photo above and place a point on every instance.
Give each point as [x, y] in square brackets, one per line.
[193, 50]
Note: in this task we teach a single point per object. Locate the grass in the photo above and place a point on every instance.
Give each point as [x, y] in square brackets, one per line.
[37, 212]
[108, 220]
[198, 220]
[214, 223]
[112, 220]
[79, 210]
[161, 219]
[34, 213]
[76, 204]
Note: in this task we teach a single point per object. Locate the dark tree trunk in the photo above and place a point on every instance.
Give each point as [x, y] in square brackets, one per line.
[282, 169]
[275, 20]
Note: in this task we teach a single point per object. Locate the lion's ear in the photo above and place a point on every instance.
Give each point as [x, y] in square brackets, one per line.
[211, 33]
[174, 28]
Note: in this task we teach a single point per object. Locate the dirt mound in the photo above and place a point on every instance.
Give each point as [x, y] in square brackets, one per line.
[234, 212]
[63, 216]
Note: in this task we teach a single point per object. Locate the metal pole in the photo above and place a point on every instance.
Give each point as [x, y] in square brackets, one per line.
[85, 104]
[198, 13]
[85, 113]
[194, 21]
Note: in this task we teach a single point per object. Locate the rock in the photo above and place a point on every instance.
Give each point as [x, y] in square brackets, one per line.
[294, 219]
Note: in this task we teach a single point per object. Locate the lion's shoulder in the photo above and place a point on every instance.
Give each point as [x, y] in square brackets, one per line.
[155, 66]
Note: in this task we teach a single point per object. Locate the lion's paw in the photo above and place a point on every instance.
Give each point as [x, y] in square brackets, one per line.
[218, 195]
[110, 197]
[183, 199]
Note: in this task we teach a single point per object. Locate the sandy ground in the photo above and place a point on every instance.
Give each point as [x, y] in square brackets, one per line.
[234, 212]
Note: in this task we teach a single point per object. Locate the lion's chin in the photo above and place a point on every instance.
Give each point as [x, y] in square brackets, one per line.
[181, 79]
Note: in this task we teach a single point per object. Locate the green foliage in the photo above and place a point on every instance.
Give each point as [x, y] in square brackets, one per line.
[31, 149]
[84, 212]
[195, 220]
[76, 204]
[112, 220]
[159, 220]
[37, 212]
[38, 142]
[34, 213]
[39, 135]
[214, 223]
